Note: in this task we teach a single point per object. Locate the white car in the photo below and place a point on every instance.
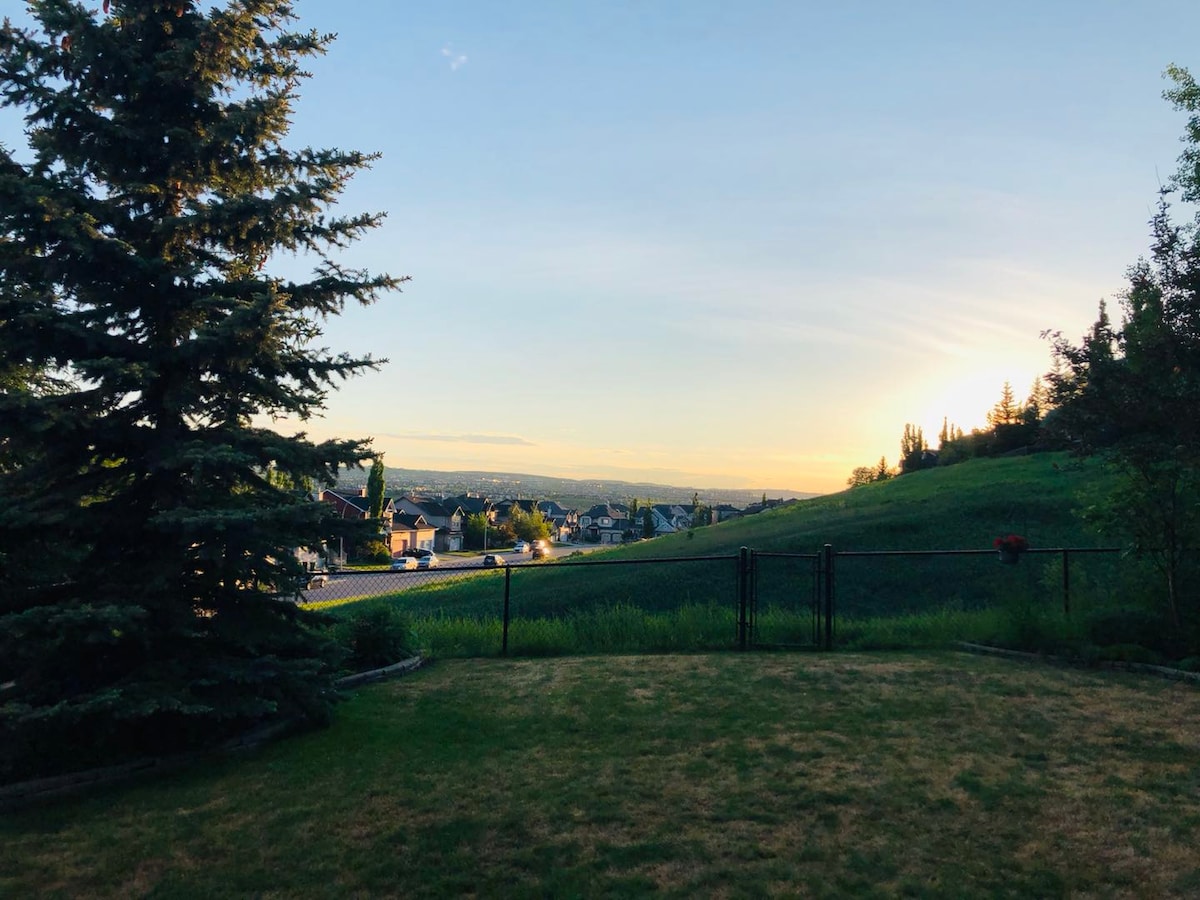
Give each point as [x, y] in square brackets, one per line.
[403, 563]
[427, 562]
[520, 547]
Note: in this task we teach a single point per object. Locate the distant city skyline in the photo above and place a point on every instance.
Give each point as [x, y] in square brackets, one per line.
[726, 244]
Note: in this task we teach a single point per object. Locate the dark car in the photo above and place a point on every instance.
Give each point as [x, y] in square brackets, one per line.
[540, 552]
[493, 559]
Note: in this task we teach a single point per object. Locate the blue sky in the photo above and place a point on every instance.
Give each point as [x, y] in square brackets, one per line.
[728, 244]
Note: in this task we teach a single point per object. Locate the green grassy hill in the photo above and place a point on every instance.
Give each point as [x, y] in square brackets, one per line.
[957, 507]
[962, 507]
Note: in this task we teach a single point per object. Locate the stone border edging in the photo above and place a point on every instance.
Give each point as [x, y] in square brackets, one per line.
[25, 793]
[1114, 665]
[400, 668]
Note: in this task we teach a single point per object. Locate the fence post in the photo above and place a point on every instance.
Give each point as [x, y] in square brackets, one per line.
[1066, 567]
[504, 633]
[751, 595]
[743, 574]
[827, 559]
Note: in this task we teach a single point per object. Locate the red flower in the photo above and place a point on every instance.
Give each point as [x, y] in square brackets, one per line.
[1014, 543]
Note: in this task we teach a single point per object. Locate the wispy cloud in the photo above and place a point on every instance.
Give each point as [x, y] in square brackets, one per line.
[457, 60]
[505, 439]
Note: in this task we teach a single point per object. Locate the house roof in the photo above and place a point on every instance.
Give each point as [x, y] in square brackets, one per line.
[472, 505]
[409, 521]
[342, 502]
[443, 510]
[604, 509]
[440, 509]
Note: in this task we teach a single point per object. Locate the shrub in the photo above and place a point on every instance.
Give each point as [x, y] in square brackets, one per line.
[375, 553]
[374, 635]
[1114, 627]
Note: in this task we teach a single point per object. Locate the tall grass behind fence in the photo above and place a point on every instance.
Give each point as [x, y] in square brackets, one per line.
[882, 584]
[571, 606]
[1051, 600]
[665, 605]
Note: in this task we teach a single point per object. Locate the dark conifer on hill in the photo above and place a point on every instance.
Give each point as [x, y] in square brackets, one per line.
[138, 233]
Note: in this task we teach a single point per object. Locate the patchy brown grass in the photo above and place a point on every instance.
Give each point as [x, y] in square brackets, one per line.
[714, 775]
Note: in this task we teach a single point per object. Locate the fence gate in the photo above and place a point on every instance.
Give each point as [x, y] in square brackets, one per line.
[789, 599]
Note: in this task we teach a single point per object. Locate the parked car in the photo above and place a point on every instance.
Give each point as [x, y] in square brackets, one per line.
[428, 561]
[493, 559]
[315, 580]
[521, 547]
[417, 552]
[403, 563]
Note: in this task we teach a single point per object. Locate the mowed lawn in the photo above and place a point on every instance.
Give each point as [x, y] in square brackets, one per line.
[708, 775]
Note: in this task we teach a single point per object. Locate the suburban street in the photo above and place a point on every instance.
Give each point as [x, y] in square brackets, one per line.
[358, 584]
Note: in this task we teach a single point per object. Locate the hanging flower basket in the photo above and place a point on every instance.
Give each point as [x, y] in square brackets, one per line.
[1010, 547]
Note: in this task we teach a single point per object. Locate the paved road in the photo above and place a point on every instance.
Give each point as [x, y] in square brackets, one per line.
[359, 584]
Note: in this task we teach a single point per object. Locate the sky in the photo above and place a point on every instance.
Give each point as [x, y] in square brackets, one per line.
[727, 245]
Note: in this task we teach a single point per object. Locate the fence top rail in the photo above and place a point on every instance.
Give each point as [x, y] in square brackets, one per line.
[778, 554]
[565, 560]
[975, 552]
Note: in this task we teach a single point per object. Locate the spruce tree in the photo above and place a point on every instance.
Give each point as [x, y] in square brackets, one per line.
[138, 233]
[1006, 411]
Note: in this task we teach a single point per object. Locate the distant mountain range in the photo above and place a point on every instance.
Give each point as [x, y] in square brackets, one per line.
[575, 492]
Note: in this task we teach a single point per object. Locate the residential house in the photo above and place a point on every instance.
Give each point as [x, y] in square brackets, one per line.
[725, 512]
[410, 532]
[349, 504]
[564, 523]
[473, 505]
[766, 504]
[504, 508]
[447, 518]
[604, 524]
[352, 504]
[670, 517]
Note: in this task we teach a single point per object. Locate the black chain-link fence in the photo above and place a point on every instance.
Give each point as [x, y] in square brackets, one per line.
[752, 599]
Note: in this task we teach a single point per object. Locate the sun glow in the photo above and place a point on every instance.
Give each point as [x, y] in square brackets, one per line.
[967, 399]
